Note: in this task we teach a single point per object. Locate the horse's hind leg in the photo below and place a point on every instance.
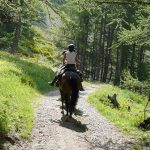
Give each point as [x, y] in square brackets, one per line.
[62, 111]
[73, 102]
[70, 116]
[67, 104]
[71, 111]
[62, 100]
[67, 108]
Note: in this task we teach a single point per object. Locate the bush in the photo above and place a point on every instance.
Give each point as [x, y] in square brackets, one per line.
[133, 84]
[20, 82]
[126, 119]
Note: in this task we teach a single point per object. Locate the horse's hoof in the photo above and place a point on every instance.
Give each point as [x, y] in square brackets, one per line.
[66, 118]
[62, 112]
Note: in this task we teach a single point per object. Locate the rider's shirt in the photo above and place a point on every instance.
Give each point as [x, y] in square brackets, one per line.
[70, 57]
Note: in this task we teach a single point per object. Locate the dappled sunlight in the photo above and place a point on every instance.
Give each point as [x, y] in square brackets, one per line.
[31, 73]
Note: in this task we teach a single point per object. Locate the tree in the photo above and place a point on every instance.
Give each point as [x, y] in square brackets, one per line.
[109, 36]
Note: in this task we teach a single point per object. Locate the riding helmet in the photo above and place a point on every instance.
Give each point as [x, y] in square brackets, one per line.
[71, 47]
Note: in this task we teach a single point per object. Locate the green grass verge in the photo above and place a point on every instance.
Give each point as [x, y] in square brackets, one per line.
[126, 120]
[20, 82]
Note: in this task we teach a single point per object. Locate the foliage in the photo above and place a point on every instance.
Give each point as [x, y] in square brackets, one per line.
[34, 41]
[111, 36]
[33, 17]
[134, 84]
[140, 33]
[21, 81]
[125, 119]
[115, 34]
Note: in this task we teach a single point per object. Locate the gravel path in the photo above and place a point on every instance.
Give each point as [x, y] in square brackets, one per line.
[87, 131]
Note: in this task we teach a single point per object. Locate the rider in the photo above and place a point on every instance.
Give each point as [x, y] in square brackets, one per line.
[70, 60]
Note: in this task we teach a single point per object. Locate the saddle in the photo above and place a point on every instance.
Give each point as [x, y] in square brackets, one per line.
[69, 69]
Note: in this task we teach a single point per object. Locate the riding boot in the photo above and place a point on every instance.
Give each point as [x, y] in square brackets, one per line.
[80, 75]
[81, 87]
[81, 80]
[54, 80]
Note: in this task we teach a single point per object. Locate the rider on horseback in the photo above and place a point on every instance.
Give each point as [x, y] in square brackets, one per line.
[70, 60]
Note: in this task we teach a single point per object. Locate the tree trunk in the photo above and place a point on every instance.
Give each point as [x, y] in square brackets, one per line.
[103, 49]
[14, 47]
[132, 61]
[107, 54]
[140, 63]
[84, 39]
[118, 68]
[99, 53]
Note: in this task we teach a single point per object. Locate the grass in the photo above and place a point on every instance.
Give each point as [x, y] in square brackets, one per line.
[21, 81]
[124, 119]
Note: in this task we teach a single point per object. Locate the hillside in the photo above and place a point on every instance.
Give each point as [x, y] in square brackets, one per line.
[112, 42]
[21, 80]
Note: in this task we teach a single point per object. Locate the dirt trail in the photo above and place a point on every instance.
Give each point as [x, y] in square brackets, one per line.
[87, 131]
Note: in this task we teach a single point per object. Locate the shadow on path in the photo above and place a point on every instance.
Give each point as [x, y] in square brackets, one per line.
[7, 139]
[72, 124]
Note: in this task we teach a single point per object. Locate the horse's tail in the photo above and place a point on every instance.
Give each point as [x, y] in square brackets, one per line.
[75, 92]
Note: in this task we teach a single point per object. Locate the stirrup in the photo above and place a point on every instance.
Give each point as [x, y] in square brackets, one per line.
[51, 83]
[82, 89]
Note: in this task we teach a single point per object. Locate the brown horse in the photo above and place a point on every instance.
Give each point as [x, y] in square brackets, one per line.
[69, 89]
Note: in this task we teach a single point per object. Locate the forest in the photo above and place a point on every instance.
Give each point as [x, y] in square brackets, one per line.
[116, 35]
[112, 39]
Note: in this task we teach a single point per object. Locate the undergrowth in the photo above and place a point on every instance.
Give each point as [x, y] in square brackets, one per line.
[124, 118]
[21, 81]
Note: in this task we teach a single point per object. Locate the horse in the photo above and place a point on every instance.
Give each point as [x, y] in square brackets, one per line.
[69, 86]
